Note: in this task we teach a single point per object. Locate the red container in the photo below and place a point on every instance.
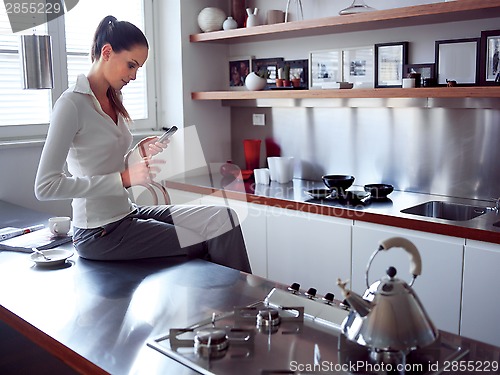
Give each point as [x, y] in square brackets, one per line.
[252, 153]
[238, 11]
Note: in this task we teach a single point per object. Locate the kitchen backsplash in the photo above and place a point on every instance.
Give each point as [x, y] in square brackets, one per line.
[444, 151]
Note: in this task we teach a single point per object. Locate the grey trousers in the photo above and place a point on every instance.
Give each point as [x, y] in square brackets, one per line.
[208, 232]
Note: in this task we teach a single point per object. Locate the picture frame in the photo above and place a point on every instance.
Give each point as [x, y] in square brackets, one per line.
[325, 68]
[358, 66]
[457, 60]
[298, 68]
[271, 64]
[427, 71]
[239, 68]
[489, 65]
[390, 59]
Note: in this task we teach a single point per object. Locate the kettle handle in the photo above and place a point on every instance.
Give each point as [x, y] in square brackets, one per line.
[408, 246]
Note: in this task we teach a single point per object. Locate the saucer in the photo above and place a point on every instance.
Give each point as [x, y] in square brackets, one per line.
[57, 257]
[321, 193]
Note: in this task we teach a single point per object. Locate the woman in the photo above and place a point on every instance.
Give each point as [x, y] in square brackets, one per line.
[89, 131]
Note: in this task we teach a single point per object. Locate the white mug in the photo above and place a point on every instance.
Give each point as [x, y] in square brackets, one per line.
[60, 225]
[261, 176]
[281, 168]
[408, 83]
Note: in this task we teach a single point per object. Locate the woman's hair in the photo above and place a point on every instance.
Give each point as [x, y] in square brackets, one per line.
[121, 35]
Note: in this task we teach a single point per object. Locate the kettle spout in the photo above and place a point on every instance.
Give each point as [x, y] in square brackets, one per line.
[361, 306]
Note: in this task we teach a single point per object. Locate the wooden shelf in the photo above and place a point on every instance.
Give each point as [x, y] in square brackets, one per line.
[452, 11]
[423, 92]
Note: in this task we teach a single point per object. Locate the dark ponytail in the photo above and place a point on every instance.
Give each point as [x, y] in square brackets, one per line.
[121, 35]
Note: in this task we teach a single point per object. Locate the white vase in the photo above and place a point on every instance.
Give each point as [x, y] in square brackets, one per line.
[255, 83]
[230, 24]
[211, 19]
[252, 19]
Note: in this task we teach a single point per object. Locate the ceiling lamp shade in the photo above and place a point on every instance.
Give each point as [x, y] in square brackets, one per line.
[36, 56]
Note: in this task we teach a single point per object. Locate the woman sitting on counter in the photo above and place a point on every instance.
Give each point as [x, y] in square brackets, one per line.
[89, 130]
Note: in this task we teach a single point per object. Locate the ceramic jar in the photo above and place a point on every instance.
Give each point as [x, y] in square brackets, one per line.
[238, 11]
[211, 19]
[229, 24]
[255, 83]
[252, 19]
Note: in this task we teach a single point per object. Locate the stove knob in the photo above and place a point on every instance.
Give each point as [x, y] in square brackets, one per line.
[328, 298]
[311, 293]
[294, 288]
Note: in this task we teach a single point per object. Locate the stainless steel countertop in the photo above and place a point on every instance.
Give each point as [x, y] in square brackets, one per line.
[293, 195]
[99, 316]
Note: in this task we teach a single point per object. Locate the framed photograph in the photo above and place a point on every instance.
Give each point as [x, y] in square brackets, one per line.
[239, 67]
[457, 60]
[325, 68]
[299, 69]
[390, 59]
[271, 65]
[358, 66]
[489, 71]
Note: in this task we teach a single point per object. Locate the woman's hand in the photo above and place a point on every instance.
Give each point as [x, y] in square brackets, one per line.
[141, 172]
[150, 146]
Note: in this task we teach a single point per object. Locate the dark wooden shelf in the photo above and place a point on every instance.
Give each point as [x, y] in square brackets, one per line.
[452, 11]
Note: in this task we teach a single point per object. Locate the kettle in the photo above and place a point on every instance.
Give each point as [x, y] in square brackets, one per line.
[389, 317]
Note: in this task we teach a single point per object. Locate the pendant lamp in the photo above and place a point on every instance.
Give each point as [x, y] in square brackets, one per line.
[36, 56]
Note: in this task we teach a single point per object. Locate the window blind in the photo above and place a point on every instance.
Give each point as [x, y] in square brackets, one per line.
[18, 106]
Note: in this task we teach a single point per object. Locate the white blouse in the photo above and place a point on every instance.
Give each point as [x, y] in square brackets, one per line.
[94, 147]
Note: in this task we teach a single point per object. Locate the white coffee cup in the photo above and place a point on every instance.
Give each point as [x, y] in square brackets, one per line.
[60, 225]
[281, 168]
[261, 176]
[408, 83]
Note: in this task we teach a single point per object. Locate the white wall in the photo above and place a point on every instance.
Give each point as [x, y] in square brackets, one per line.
[183, 68]
[18, 167]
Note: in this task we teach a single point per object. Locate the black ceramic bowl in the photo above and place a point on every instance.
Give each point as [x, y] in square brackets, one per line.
[338, 182]
[379, 191]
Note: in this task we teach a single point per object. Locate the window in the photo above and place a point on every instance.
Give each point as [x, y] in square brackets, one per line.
[18, 106]
[27, 112]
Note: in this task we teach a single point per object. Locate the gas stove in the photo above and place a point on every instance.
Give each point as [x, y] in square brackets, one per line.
[289, 332]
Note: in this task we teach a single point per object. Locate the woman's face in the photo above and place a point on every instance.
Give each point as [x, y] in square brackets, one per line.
[121, 67]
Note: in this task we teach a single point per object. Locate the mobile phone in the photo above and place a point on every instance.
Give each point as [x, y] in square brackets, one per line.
[170, 132]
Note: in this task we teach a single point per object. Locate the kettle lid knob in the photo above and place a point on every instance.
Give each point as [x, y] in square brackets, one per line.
[391, 272]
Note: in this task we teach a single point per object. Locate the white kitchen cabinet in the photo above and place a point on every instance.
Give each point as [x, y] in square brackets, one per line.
[252, 219]
[183, 197]
[313, 250]
[439, 286]
[481, 286]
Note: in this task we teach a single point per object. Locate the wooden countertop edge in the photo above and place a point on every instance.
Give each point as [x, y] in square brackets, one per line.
[51, 345]
[345, 213]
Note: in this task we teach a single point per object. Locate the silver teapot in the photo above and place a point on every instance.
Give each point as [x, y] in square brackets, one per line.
[389, 317]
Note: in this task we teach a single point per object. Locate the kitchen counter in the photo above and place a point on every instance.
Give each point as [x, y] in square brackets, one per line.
[97, 317]
[386, 212]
